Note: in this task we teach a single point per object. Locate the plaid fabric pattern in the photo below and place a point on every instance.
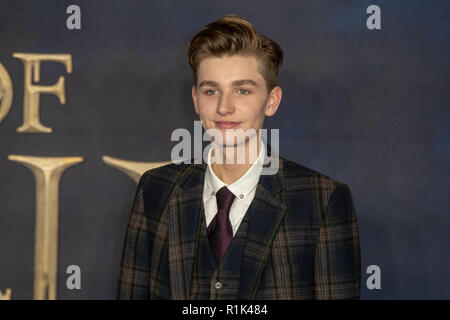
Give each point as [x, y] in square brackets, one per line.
[302, 237]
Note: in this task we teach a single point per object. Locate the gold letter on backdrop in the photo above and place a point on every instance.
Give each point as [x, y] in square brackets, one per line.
[32, 64]
[131, 168]
[6, 92]
[6, 295]
[47, 172]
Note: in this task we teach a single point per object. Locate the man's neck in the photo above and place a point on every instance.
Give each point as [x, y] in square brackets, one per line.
[231, 171]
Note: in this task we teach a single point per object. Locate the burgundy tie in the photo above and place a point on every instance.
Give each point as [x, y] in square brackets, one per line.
[220, 232]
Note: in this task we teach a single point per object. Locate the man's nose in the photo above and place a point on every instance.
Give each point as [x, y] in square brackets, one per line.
[226, 104]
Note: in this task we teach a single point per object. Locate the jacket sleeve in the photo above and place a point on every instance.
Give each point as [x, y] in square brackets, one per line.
[337, 263]
[134, 268]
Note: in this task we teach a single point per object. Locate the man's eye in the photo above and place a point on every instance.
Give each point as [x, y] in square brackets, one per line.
[244, 91]
[209, 92]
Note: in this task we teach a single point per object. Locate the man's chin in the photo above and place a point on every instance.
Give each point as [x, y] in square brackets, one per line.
[231, 144]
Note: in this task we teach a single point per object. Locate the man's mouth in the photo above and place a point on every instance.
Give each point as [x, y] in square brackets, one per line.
[227, 124]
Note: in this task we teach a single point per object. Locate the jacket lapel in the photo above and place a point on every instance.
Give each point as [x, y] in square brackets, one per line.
[266, 213]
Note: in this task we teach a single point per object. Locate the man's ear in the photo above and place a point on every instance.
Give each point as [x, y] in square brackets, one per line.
[194, 98]
[273, 101]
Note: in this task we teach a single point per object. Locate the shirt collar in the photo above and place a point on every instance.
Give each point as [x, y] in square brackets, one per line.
[241, 187]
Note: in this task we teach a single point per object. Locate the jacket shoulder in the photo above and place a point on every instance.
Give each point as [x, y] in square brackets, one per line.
[157, 185]
[313, 191]
[167, 173]
[300, 177]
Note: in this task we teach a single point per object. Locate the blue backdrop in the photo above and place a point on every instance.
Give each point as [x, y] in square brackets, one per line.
[369, 108]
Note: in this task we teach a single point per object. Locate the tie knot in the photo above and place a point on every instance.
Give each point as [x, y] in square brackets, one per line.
[224, 199]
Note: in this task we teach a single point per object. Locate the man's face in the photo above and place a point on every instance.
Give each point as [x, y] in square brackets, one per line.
[232, 94]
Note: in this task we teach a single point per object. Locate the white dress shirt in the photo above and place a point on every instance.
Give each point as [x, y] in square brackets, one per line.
[244, 190]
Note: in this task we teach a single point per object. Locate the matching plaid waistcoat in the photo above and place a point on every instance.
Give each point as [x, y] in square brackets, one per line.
[216, 282]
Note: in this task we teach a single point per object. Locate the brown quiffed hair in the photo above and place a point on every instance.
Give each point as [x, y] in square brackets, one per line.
[230, 35]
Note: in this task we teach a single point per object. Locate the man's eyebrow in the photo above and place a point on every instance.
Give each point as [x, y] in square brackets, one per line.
[208, 83]
[234, 83]
[245, 81]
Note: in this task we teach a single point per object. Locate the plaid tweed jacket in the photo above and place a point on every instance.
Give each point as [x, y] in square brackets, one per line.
[302, 239]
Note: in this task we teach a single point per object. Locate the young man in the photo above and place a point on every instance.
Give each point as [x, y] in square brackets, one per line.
[223, 230]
